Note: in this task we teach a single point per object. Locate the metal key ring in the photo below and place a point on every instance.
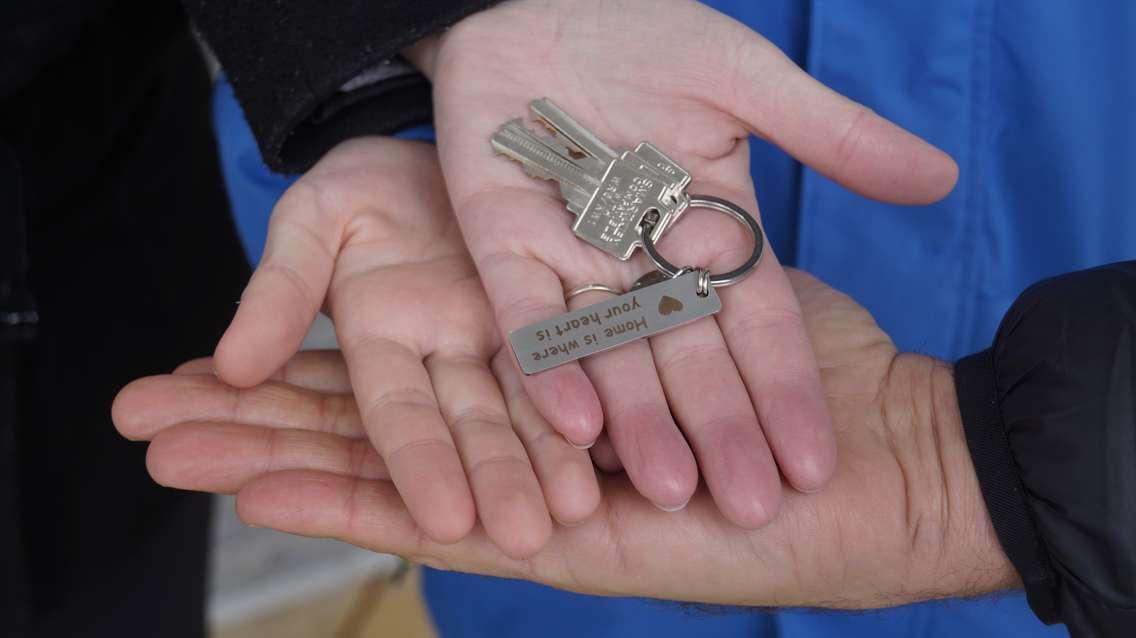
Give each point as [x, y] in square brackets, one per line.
[722, 206]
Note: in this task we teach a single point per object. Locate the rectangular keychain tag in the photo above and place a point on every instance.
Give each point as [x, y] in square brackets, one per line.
[634, 315]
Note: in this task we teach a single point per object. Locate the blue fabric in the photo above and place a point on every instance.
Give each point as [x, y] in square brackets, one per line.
[253, 189]
[1034, 101]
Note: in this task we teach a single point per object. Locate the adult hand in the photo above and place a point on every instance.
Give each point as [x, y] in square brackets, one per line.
[695, 83]
[902, 520]
[368, 234]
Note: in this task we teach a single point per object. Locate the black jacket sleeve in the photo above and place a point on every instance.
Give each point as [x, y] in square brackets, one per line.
[1050, 419]
[288, 59]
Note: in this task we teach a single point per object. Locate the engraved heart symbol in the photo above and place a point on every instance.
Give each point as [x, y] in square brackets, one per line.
[667, 305]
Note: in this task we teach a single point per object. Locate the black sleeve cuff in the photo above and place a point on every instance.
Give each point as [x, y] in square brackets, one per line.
[1001, 485]
[1050, 419]
[287, 61]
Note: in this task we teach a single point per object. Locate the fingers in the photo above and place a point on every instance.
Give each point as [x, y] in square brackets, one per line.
[710, 402]
[565, 472]
[285, 292]
[367, 513]
[505, 489]
[221, 457]
[402, 419]
[766, 335]
[201, 365]
[642, 432]
[317, 370]
[770, 349]
[326, 505]
[524, 290]
[838, 137]
[151, 404]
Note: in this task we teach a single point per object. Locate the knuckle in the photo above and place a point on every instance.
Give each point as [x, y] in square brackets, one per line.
[507, 461]
[480, 417]
[414, 445]
[640, 412]
[361, 454]
[302, 196]
[695, 355]
[409, 397]
[848, 144]
[727, 423]
[525, 309]
[294, 280]
[781, 321]
[333, 412]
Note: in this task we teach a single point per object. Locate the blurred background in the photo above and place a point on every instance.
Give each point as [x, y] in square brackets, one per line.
[266, 583]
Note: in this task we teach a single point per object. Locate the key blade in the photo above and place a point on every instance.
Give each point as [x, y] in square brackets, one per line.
[576, 197]
[571, 131]
[539, 159]
[635, 315]
[646, 157]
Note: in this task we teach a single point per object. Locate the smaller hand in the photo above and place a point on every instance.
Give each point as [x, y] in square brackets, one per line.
[368, 235]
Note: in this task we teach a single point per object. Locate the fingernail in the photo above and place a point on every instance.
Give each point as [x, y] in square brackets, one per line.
[673, 509]
[586, 446]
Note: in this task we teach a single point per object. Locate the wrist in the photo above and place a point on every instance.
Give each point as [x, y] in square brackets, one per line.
[953, 550]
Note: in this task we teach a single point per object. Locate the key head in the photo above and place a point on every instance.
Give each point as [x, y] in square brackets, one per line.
[611, 220]
[657, 160]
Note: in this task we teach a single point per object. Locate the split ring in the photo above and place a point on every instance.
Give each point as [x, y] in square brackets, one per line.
[722, 206]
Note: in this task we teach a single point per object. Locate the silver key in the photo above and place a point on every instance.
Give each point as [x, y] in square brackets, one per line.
[546, 158]
[609, 199]
[573, 135]
[546, 161]
[611, 192]
[645, 158]
[570, 132]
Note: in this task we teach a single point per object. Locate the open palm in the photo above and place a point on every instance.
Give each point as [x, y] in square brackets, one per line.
[743, 386]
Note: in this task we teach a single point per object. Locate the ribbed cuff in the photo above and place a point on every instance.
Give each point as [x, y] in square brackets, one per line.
[1001, 484]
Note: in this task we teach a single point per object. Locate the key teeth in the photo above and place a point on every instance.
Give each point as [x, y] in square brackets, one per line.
[552, 137]
[517, 129]
[535, 172]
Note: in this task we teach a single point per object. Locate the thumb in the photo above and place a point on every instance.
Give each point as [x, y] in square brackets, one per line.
[839, 138]
[285, 293]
